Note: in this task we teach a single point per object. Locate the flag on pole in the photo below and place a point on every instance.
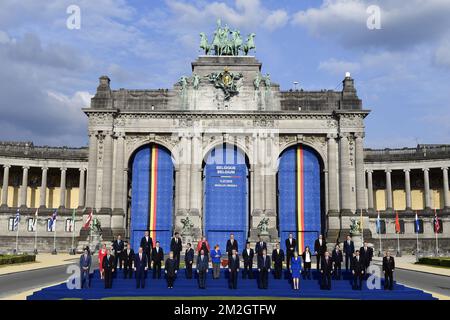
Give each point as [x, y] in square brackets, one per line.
[397, 223]
[417, 223]
[89, 220]
[378, 223]
[436, 223]
[53, 220]
[16, 220]
[72, 223]
[35, 219]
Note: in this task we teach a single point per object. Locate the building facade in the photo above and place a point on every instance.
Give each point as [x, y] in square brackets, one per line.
[224, 150]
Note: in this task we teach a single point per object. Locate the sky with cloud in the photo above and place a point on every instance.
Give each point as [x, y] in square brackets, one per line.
[49, 72]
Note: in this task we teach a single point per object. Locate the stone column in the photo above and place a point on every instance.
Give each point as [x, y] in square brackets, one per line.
[91, 183]
[5, 185]
[118, 176]
[43, 192]
[345, 184]
[408, 190]
[196, 174]
[23, 189]
[445, 189]
[370, 203]
[62, 189]
[256, 176]
[389, 206]
[333, 200]
[107, 173]
[117, 221]
[270, 188]
[426, 187]
[183, 201]
[359, 172]
[81, 189]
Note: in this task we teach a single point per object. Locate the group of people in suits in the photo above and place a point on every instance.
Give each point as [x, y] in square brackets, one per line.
[151, 255]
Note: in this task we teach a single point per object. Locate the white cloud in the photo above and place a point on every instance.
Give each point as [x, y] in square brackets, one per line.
[339, 67]
[442, 54]
[403, 23]
[276, 19]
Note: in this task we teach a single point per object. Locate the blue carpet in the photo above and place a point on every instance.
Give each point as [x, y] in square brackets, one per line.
[341, 289]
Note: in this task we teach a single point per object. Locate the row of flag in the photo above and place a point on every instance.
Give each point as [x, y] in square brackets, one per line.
[436, 223]
[52, 220]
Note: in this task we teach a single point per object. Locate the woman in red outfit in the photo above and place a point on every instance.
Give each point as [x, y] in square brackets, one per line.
[203, 244]
[101, 255]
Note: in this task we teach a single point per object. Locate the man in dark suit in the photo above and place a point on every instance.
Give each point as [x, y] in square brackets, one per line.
[357, 271]
[264, 264]
[202, 269]
[320, 247]
[118, 247]
[85, 267]
[291, 246]
[366, 254]
[188, 260]
[388, 269]
[232, 244]
[176, 246]
[108, 265]
[128, 259]
[337, 258]
[233, 269]
[157, 258]
[247, 255]
[260, 246]
[277, 259]
[349, 250]
[140, 268]
[147, 246]
[326, 268]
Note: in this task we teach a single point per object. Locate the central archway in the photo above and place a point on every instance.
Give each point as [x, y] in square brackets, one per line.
[226, 194]
[152, 183]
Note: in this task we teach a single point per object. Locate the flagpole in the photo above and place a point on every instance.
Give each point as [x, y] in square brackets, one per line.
[362, 228]
[72, 250]
[17, 238]
[398, 245]
[35, 231]
[54, 237]
[436, 230]
[416, 223]
[379, 238]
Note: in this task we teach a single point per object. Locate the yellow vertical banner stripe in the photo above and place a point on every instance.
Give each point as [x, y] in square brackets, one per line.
[153, 191]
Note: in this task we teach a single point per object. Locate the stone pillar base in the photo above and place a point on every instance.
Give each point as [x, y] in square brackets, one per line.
[446, 210]
[4, 206]
[194, 212]
[181, 212]
[408, 210]
[105, 211]
[346, 212]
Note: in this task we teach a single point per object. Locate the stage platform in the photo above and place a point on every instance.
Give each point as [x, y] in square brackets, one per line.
[309, 289]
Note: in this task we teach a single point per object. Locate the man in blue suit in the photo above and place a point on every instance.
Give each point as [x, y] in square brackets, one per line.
[140, 267]
[233, 268]
[264, 264]
[202, 269]
[260, 246]
[349, 249]
[85, 267]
